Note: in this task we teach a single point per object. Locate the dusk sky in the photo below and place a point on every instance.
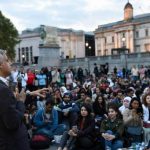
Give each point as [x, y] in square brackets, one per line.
[77, 14]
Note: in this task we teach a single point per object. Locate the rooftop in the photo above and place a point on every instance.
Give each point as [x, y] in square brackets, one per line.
[137, 19]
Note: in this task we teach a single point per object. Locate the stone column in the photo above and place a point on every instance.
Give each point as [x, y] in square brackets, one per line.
[102, 40]
[119, 40]
[128, 39]
[116, 40]
[20, 55]
[96, 46]
[29, 55]
[131, 41]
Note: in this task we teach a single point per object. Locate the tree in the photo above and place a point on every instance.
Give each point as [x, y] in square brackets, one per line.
[8, 36]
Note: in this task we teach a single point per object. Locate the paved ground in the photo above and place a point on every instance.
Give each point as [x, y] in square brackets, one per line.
[53, 147]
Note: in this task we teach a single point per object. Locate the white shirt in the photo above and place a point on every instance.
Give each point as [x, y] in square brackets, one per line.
[145, 113]
[4, 80]
[14, 75]
[134, 71]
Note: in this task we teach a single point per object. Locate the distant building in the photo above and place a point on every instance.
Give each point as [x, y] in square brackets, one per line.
[76, 44]
[72, 43]
[132, 33]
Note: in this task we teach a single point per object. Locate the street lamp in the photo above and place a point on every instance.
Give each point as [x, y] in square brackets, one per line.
[90, 50]
[123, 42]
[23, 56]
[86, 44]
[124, 52]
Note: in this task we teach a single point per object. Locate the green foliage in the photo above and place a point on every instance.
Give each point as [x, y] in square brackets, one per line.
[8, 36]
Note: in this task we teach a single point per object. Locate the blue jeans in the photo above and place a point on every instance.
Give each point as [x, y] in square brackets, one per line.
[114, 144]
[50, 132]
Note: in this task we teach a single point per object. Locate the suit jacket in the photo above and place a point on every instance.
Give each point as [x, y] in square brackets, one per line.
[13, 133]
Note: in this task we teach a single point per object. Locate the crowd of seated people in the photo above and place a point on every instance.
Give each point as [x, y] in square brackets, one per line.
[102, 112]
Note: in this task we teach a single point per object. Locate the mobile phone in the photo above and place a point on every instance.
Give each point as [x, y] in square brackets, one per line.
[75, 128]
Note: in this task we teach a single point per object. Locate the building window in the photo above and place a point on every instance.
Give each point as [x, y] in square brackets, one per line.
[123, 35]
[112, 39]
[23, 54]
[146, 32]
[23, 51]
[67, 57]
[105, 39]
[106, 52]
[62, 55]
[31, 54]
[99, 52]
[137, 34]
[27, 54]
[137, 49]
[19, 56]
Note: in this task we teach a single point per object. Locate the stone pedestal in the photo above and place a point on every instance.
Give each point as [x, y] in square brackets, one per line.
[49, 55]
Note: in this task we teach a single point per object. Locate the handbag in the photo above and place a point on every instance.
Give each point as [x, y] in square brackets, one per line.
[134, 130]
[40, 142]
[146, 125]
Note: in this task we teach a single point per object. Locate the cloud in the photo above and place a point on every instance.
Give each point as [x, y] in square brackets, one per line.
[77, 14]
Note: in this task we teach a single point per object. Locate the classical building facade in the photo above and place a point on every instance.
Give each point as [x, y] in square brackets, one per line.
[76, 44]
[132, 33]
[72, 43]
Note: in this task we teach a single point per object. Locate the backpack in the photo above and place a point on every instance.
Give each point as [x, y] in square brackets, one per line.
[40, 142]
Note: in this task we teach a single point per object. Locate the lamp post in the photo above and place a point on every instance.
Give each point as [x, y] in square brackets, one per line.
[124, 52]
[23, 57]
[123, 42]
[86, 44]
[19, 51]
[90, 50]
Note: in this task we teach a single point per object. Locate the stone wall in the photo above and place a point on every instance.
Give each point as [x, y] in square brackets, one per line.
[120, 61]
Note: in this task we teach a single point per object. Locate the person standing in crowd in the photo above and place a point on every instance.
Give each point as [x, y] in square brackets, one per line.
[115, 70]
[41, 77]
[31, 80]
[22, 79]
[96, 72]
[80, 75]
[13, 133]
[142, 72]
[14, 74]
[55, 76]
[134, 73]
[69, 77]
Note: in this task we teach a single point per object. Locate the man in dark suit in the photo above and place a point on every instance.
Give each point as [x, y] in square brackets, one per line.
[13, 133]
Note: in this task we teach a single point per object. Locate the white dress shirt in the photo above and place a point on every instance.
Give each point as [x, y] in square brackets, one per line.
[4, 80]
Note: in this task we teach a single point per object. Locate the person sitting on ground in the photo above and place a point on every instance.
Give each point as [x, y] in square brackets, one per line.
[68, 110]
[112, 128]
[126, 102]
[46, 121]
[80, 135]
[146, 117]
[132, 118]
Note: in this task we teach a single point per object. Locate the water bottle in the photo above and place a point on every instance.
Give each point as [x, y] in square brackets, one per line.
[142, 147]
[137, 147]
